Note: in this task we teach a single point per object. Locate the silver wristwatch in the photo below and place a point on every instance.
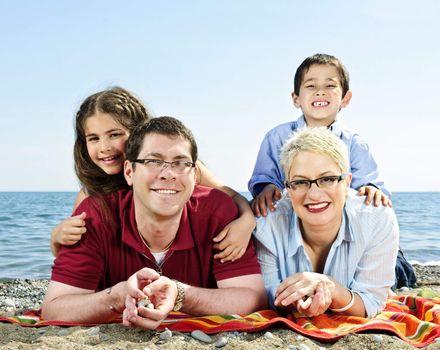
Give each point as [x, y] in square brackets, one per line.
[180, 295]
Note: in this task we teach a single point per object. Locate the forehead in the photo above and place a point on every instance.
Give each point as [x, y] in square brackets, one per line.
[101, 122]
[321, 72]
[313, 164]
[165, 146]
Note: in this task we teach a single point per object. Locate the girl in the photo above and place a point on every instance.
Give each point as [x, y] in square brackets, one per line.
[102, 125]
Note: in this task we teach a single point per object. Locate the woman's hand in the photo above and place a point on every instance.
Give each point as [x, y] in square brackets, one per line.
[68, 232]
[233, 240]
[308, 292]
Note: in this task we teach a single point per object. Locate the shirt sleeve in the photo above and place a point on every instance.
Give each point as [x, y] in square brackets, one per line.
[363, 166]
[267, 166]
[375, 272]
[82, 264]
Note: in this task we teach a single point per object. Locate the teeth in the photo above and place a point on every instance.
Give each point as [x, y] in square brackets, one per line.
[317, 206]
[108, 158]
[320, 103]
[166, 191]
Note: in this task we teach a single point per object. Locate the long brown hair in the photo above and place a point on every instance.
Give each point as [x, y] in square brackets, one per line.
[128, 111]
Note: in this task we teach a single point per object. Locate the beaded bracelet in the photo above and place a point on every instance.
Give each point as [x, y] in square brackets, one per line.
[346, 307]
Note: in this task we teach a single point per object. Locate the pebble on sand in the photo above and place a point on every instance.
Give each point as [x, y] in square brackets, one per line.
[203, 337]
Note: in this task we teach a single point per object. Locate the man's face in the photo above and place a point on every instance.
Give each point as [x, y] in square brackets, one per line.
[162, 192]
[320, 95]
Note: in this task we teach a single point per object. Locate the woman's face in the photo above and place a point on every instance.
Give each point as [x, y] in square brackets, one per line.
[318, 207]
[106, 142]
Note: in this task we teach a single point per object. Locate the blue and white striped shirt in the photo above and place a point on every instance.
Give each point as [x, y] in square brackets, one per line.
[362, 257]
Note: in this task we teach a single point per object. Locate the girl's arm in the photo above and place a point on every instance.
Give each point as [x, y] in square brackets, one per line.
[234, 238]
[70, 230]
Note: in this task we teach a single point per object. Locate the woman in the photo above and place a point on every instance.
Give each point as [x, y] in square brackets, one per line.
[324, 249]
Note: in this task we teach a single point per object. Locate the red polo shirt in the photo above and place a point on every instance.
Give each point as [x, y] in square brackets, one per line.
[108, 254]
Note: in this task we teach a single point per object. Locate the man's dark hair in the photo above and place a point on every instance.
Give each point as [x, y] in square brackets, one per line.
[167, 126]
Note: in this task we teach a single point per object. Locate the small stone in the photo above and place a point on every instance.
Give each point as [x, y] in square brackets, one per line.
[292, 347]
[221, 342]
[63, 332]
[166, 334]
[303, 346]
[199, 335]
[299, 338]
[321, 348]
[377, 338]
[9, 303]
[268, 335]
[404, 289]
[93, 331]
[437, 340]
[42, 331]
[150, 306]
[144, 302]
[103, 337]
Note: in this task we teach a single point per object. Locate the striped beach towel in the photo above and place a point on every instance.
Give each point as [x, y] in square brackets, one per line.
[416, 320]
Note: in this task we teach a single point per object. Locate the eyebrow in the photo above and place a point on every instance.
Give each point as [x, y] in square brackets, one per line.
[161, 156]
[107, 132]
[323, 174]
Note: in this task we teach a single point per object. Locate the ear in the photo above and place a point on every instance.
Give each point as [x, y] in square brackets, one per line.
[295, 99]
[346, 99]
[348, 180]
[128, 172]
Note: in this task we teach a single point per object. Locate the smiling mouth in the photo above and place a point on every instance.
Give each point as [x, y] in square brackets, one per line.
[320, 104]
[165, 191]
[318, 207]
[109, 159]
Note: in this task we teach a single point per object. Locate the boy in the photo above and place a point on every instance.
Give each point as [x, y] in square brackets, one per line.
[321, 90]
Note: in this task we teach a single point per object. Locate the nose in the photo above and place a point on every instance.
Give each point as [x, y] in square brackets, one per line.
[167, 172]
[104, 146]
[314, 191]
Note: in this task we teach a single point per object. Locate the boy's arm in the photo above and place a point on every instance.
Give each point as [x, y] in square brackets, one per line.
[364, 167]
[267, 168]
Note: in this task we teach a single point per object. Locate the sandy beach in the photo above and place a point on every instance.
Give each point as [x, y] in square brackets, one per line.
[19, 295]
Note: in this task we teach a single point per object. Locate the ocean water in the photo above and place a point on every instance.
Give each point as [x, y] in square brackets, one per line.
[27, 218]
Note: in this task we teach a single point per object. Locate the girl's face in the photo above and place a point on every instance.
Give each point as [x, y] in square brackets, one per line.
[106, 140]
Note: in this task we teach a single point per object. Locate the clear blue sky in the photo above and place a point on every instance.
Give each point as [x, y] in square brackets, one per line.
[225, 68]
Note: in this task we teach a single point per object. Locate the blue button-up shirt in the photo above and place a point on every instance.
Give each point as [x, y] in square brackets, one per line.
[362, 257]
[268, 168]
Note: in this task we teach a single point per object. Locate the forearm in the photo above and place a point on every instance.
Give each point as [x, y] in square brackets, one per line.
[100, 307]
[234, 300]
[341, 297]
[54, 245]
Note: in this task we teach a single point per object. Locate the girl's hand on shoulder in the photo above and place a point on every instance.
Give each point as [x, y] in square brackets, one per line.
[70, 231]
[375, 196]
[233, 240]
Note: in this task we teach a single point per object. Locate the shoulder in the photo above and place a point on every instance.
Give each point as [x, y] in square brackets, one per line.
[352, 138]
[209, 200]
[283, 130]
[368, 218]
[276, 224]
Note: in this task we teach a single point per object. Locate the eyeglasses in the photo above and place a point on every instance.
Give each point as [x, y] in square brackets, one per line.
[179, 166]
[325, 182]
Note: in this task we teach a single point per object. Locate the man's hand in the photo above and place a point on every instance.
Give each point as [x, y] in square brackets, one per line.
[374, 195]
[161, 291]
[266, 199]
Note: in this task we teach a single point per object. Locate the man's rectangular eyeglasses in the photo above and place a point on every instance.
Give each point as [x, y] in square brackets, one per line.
[325, 182]
[179, 166]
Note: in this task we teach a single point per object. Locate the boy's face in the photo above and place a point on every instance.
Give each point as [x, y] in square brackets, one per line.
[320, 96]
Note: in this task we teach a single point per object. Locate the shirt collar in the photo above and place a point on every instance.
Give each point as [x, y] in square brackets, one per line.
[335, 127]
[130, 233]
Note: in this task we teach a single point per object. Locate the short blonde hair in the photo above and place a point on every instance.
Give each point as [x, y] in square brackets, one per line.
[318, 140]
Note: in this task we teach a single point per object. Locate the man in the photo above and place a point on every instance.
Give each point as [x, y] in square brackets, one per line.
[160, 230]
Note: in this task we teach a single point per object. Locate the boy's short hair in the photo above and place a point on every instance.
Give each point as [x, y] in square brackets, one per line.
[167, 126]
[318, 140]
[322, 58]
